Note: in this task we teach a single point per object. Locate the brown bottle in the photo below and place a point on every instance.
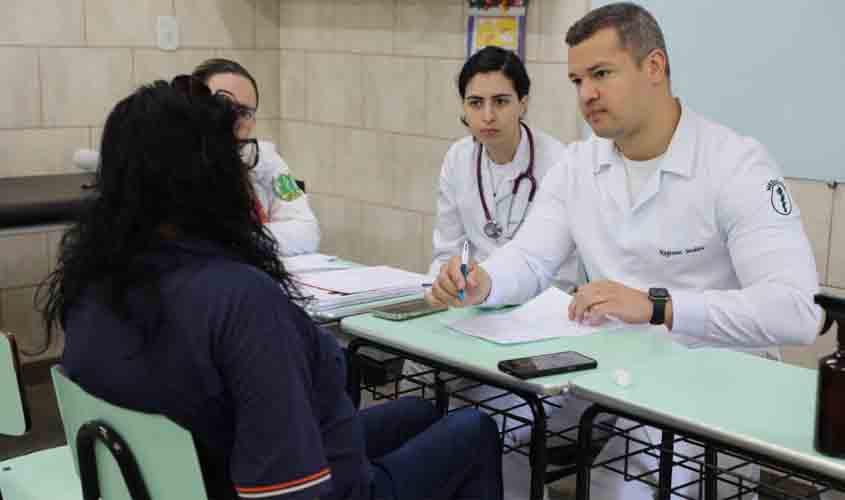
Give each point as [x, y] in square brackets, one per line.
[830, 399]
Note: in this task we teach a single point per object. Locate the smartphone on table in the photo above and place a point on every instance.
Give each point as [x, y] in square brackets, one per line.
[406, 310]
[547, 364]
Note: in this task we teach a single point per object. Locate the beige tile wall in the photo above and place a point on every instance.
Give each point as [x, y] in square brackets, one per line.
[370, 105]
[66, 63]
[26, 257]
[836, 260]
[72, 60]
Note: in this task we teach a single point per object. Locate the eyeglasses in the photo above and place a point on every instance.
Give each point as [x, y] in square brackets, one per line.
[243, 111]
[195, 87]
[248, 149]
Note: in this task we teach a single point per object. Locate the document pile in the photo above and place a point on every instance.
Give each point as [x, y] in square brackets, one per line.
[543, 317]
[338, 288]
[312, 262]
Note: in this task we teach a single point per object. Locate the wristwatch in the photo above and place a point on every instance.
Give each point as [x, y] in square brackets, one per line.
[658, 297]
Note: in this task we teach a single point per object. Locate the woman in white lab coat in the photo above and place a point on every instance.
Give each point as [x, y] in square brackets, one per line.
[280, 203]
[489, 179]
[487, 184]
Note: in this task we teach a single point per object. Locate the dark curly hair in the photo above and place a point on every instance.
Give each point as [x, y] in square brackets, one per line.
[170, 166]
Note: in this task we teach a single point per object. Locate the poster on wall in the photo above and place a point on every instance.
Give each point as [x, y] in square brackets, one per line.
[496, 22]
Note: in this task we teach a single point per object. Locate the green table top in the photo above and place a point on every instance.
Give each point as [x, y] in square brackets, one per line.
[430, 338]
[761, 405]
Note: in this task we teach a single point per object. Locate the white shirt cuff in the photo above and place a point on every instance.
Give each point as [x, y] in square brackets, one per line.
[689, 313]
[494, 299]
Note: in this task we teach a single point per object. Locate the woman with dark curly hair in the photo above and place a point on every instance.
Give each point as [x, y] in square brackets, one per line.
[188, 309]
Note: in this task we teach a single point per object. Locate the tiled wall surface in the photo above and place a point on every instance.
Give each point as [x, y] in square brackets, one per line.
[26, 257]
[359, 95]
[369, 107]
[66, 63]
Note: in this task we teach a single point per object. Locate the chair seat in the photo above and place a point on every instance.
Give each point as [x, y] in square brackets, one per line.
[43, 475]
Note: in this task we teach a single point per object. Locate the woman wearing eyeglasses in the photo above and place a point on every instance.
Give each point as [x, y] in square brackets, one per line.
[279, 202]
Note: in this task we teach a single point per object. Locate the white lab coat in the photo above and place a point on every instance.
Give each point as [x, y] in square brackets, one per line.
[460, 215]
[292, 223]
[714, 225]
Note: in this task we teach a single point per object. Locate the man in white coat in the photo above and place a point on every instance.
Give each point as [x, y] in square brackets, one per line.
[680, 222]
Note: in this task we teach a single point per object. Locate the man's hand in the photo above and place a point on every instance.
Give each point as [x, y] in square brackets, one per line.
[594, 302]
[444, 290]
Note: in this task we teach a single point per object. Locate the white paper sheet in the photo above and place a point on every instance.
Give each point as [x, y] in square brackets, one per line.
[312, 262]
[543, 317]
[363, 279]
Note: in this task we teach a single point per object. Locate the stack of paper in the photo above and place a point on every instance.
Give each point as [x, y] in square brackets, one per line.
[312, 262]
[358, 285]
[545, 316]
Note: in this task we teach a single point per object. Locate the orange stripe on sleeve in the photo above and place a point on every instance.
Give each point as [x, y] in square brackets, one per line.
[282, 486]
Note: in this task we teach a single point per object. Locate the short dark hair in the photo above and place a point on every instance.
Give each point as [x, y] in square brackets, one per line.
[490, 59]
[637, 29]
[220, 66]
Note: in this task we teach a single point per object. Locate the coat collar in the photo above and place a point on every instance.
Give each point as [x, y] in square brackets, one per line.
[520, 158]
[679, 157]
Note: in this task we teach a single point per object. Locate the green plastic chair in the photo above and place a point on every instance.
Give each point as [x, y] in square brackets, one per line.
[122, 454]
[14, 417]
[42, 475]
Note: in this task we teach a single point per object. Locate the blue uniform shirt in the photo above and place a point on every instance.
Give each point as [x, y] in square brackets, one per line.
[229, 357]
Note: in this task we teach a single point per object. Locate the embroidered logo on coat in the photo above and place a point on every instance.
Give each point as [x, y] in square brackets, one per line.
[781, 201]
[286, 188]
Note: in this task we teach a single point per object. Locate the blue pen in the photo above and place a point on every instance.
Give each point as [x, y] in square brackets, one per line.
[464, 267]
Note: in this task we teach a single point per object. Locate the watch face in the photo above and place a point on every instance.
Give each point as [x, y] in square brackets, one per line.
[658, 293]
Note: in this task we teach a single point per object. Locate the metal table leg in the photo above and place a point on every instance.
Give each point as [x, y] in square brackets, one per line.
[538, 453]
[585, 437]
[441, 394]
[710, 471]
[667, 454]
[353, 372]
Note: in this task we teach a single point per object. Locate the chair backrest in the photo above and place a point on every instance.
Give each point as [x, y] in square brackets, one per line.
[163, 453]
[14, 417]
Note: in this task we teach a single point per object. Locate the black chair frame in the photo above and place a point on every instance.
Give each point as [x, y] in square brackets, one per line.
[86, 439]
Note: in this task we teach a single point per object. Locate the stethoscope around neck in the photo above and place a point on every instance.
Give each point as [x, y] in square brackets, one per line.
[492, 228]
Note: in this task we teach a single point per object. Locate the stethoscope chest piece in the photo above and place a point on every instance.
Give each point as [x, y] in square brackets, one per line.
[493, 230]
